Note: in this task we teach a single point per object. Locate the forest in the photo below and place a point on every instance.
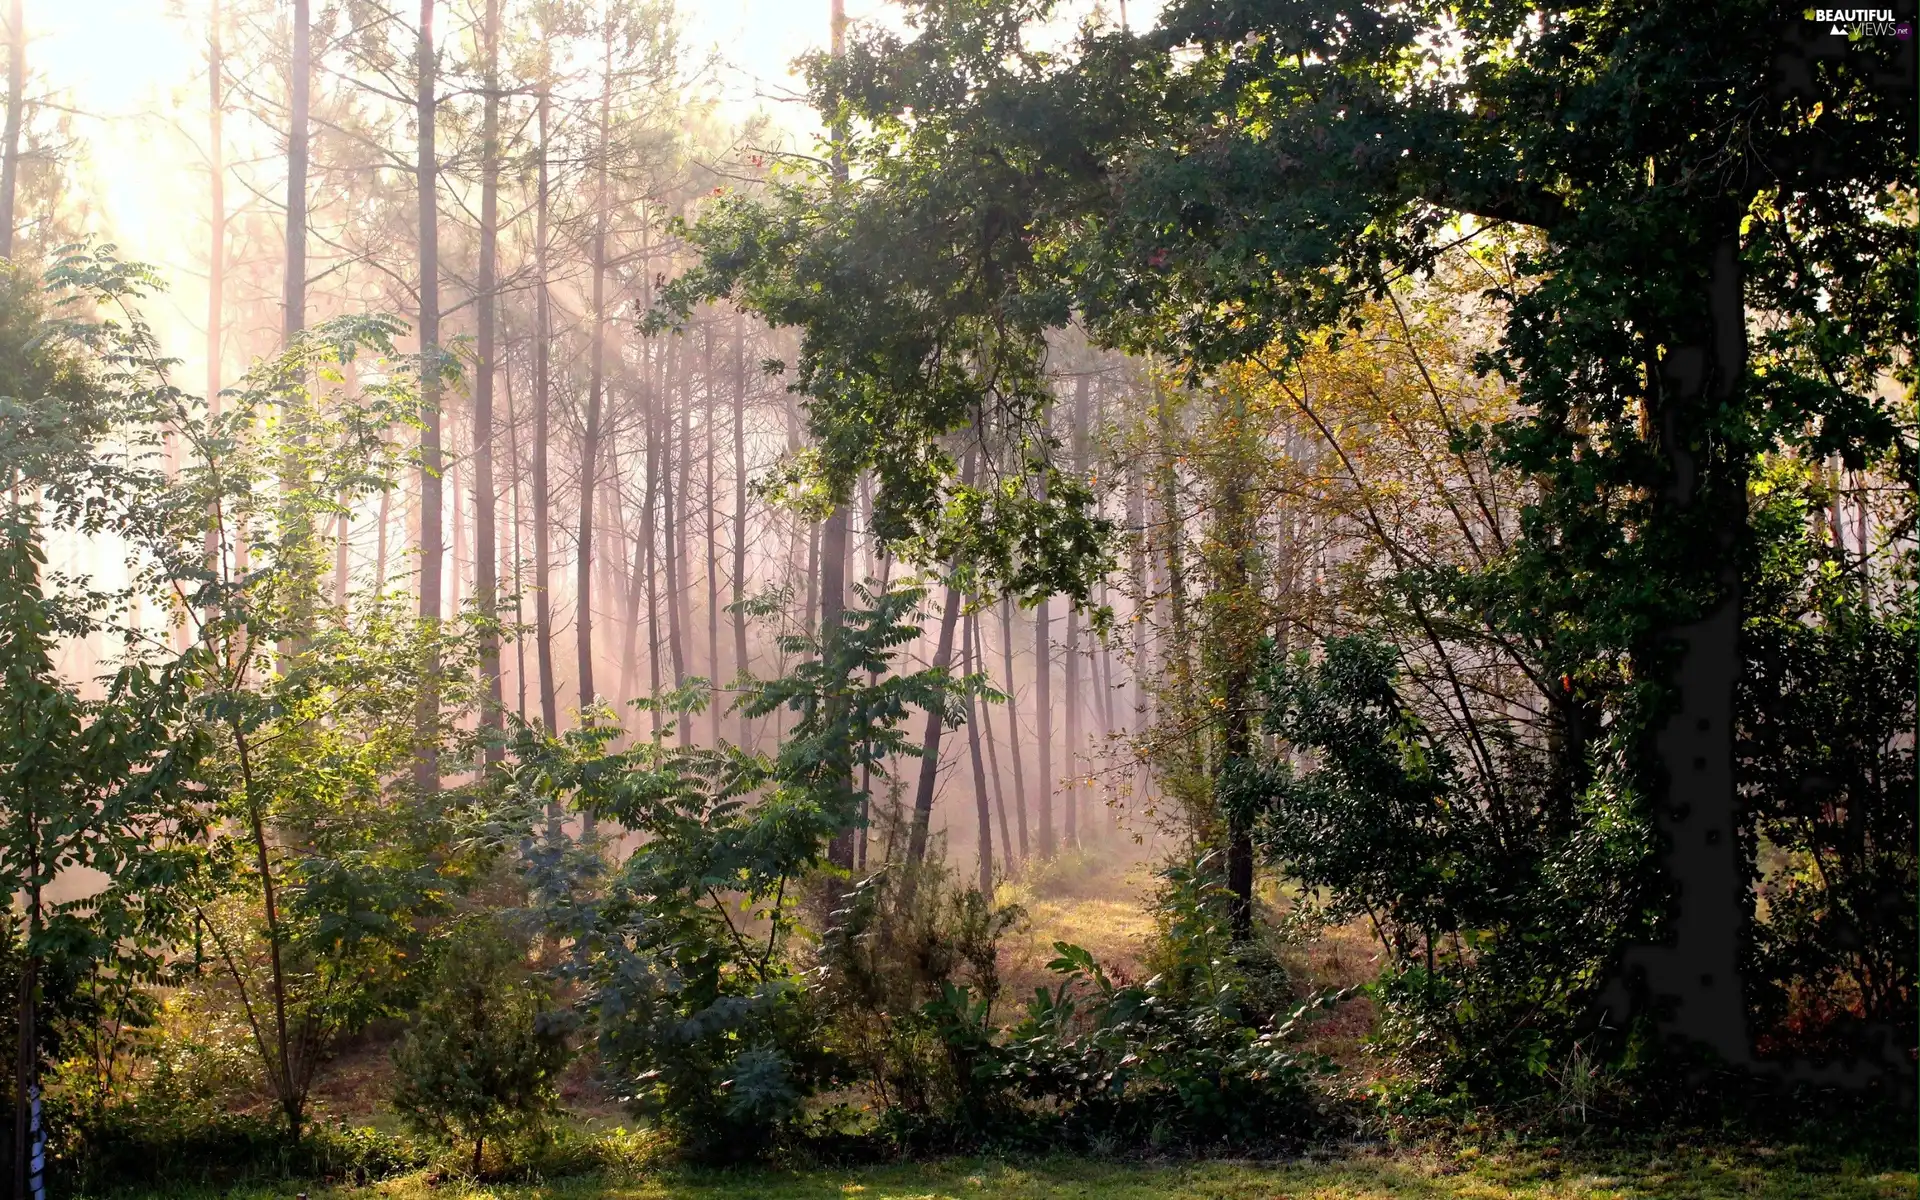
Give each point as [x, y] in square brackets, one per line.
[1211, 599]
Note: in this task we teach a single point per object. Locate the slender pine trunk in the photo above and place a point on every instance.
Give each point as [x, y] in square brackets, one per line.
[486, 567]
[432, 547]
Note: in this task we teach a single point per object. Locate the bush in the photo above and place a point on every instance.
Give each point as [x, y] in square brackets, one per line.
[1197, 1057]
[484, 1053]
[908, 976]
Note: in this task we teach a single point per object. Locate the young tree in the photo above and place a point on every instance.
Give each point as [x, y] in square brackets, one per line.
[483, 1056]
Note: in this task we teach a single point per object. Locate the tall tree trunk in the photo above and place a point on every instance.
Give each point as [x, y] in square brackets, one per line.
[993, 754]
[936, 724]
[1696, 969]
[1137, 523]
[1013, 727]
[740, 510]
[590, 443]
[519, 552]
[380, 550]
[16, 111]
[635, 588]
[1107, 725]
[678, 563]
[670, 543]
[542, 500]
[1070, 778]
[456, 518]
[981, 809]
[486, 567]
[1174, 555]
[813, 571]
[1236, 633]
[293, 300]
[833, 550]
[1070, 791]
[216, 208]
[1043, 723]
[711, 522]
[649, 532]
[432, 550]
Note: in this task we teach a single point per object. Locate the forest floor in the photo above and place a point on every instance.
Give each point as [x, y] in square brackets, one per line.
[1104, 910]
[1686, 1174]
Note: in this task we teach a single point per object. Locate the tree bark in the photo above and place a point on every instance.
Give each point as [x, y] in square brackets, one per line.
[1013, 726]
[590, 444]
[542, 500]
[293, 304]
[519, 543]
[936, 724]
[1070, 795]
[1043, 723]
[1696, 971]
[649, 532]
[740, 510]
[710, 522]
[16, 111]
[993, 754]
[1142, 597]
[486, 567]
[427, 721]
[981, 808]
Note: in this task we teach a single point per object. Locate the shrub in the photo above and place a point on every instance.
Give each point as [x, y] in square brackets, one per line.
[1199, 1056]
[482, 1058]
[908, 976]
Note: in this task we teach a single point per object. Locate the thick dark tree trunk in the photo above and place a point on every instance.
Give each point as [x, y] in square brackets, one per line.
[1695, 975]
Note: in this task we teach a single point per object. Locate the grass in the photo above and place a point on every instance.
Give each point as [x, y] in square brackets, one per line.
[1537, 1174]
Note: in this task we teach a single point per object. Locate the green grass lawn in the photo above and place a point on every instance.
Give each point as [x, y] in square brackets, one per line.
[1708, 1175]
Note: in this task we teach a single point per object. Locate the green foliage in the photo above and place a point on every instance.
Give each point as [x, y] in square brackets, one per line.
[908, 975]
[104, 784]
[221, 1151]
[1721, 265]
[1827, 773]
[1198, 1057]
[702, 1017]
[319, 872]
[482, 1057]
[1499, 910]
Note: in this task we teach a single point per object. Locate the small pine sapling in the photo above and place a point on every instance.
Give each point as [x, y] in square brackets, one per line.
[486, 1049]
